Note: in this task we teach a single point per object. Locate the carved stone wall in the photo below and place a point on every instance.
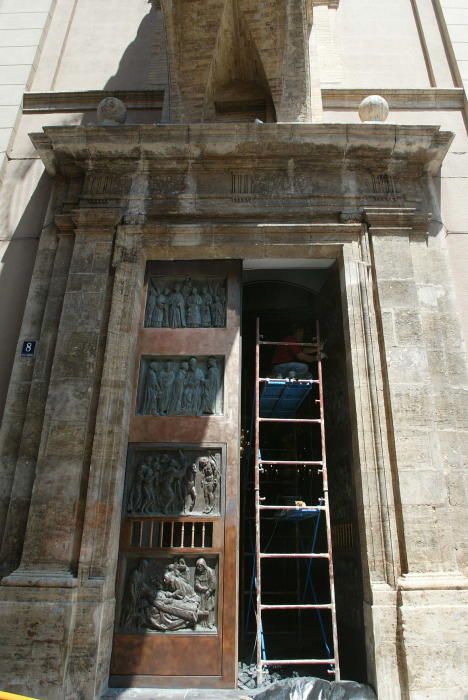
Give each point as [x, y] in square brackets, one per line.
[174, 481]
[404, 367]
[342, 489]
[181, 386]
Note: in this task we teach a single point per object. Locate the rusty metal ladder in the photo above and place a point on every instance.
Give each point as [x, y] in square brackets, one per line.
[260, 507]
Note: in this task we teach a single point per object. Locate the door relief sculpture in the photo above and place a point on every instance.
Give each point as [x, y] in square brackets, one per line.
[174, 482]
[174, 386]
[167, 596]
[185, 303]
[176, 618]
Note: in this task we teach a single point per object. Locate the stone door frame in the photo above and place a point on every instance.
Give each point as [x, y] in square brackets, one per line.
[348, 243]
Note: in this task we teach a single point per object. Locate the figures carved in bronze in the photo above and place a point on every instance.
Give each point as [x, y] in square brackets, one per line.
[181, 387]
[174, 482]
[170, 597]
[187, 303]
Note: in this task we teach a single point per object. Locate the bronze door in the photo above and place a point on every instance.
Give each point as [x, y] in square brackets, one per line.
[176, 614]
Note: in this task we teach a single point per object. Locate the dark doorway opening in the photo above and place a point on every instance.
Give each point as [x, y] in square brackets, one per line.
[280, 298]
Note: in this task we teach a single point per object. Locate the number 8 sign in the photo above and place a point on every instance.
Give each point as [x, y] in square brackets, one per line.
[28, 348]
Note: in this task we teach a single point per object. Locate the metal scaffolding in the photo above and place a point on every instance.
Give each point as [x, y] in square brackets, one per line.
[277, 401]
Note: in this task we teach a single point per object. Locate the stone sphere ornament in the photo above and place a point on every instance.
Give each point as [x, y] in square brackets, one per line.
[111, 112]
[373, 108]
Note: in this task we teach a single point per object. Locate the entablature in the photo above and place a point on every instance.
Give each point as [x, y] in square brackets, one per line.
[297, 172]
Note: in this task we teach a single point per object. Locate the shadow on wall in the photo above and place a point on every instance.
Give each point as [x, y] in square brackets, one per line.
[138, 69]
[17, 264]
[143, 66]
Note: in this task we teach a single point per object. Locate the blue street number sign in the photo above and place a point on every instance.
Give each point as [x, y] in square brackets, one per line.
[28, 348]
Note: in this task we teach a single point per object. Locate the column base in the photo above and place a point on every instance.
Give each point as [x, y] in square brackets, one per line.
[434, 628]
[381, 624]
[40, 579]
[56, 640]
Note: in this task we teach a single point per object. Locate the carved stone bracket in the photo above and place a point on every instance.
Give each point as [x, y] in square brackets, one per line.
[389, 220]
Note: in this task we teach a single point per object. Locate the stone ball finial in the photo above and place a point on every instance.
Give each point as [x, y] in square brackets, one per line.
[111, 112]
[373, 108]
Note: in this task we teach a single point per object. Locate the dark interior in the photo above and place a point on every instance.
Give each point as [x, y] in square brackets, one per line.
[280, 298]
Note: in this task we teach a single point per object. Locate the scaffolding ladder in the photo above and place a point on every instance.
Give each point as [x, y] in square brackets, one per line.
[278, 414]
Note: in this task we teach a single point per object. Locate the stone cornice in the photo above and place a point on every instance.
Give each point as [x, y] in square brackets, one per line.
[408, 149]
[332, 98]
[88, 100]
[244, 229]
[98, 220]
[391, 220]
[433, 581]
[329, 3]
[408, 99]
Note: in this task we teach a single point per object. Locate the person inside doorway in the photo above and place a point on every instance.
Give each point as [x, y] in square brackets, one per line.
[293, 360]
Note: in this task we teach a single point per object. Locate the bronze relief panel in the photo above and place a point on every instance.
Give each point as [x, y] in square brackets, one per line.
[174, 481]
[181, 386]
[167, 595]
[178, 302]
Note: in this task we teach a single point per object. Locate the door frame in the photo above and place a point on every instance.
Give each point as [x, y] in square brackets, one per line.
[347, 243]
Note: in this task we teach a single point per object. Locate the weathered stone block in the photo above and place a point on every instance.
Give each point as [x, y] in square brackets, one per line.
[396, 294]
[453, 448]
[410, 405]
[392, 257]
[408, 329]
[65, 438]
[415, 448]
[457, 372]
[69, 400]
[450, 407]
[77, 354]
[407, 365]
[422, 487]
[388, 328]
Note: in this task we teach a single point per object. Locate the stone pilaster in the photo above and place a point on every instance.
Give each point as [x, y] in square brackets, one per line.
[23, 369]
[92, 639]
[55, 518]
[425, 407]
[380, 541]
[47, 612]
[410, 388]
[25, 467]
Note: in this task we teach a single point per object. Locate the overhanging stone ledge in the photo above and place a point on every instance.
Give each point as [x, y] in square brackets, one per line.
[416, 149]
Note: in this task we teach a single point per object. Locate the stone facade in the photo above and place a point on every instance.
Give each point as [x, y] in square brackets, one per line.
[198, 188]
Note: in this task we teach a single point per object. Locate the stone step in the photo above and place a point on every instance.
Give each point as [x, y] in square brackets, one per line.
[181, 694]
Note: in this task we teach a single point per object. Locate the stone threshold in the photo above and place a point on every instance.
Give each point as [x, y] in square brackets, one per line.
[181, 694]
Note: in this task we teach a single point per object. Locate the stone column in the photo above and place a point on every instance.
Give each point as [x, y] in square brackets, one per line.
[23, 368]
[92, 638]
[373, 473]
[39, 601]
[419, 334]
[53, 532]
[428, 537]
[25, 464]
